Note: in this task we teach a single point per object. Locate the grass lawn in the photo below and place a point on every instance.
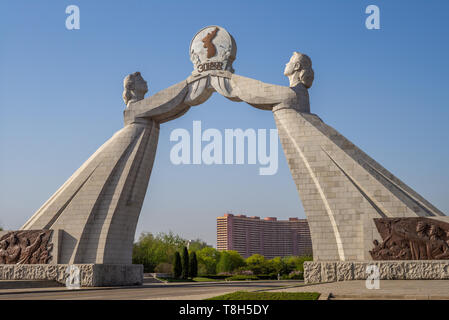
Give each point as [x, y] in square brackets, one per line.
[176, 280]
[242, 278]
[205, 279]
[244, 295]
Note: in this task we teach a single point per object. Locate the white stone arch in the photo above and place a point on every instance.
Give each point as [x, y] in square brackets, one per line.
[342, 189]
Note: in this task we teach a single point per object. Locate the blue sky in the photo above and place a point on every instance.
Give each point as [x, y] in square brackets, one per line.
[60, 96]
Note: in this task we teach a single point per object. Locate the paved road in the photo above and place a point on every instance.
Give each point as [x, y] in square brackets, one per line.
[151, 291]
[388, 289]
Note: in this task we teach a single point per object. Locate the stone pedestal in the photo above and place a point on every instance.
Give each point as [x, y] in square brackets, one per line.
[91, 275]
[330, 271]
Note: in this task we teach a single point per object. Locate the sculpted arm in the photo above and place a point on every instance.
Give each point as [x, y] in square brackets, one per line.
[165, 105]
[36, 243]
[259, 94]
[161, 106]
[266, 96]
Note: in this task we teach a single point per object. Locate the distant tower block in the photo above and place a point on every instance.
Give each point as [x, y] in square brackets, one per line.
[269, 237]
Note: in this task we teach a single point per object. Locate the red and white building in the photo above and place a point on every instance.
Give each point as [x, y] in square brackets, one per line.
[269, 237]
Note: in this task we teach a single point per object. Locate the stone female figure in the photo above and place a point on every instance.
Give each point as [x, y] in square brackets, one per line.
[340, 186]
[98, 206]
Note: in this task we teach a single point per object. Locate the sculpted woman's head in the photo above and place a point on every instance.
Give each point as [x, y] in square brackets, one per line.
[299, 70]
[135, 87]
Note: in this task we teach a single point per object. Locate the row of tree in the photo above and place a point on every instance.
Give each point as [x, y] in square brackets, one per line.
[185, 266]
[212, 261]
[159, 254]
[156, 252]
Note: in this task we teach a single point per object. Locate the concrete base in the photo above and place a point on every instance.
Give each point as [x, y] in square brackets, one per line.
[329, 271]
[28, 284]
[91, 275]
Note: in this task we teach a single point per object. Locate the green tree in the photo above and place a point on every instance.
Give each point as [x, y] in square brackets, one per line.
[185, 263]
[152, 250]
[257, 264]
[197, 245]
[142, 252]
[177, 267]
[208, 258]
[229, 261]
[280, 266]
[297, 262]
[193, 270]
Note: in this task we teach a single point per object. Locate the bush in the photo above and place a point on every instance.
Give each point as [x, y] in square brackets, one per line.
[296, 275]
[244, 271]
[270, 276]
[224, 274]
[164, 268]
[217, 277]
[205, 279]
[285, 277]
[240, 277]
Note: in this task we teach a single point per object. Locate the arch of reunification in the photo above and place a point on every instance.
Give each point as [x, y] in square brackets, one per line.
[350, 200]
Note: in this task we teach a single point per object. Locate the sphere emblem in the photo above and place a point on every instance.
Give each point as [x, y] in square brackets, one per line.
[212, 48]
